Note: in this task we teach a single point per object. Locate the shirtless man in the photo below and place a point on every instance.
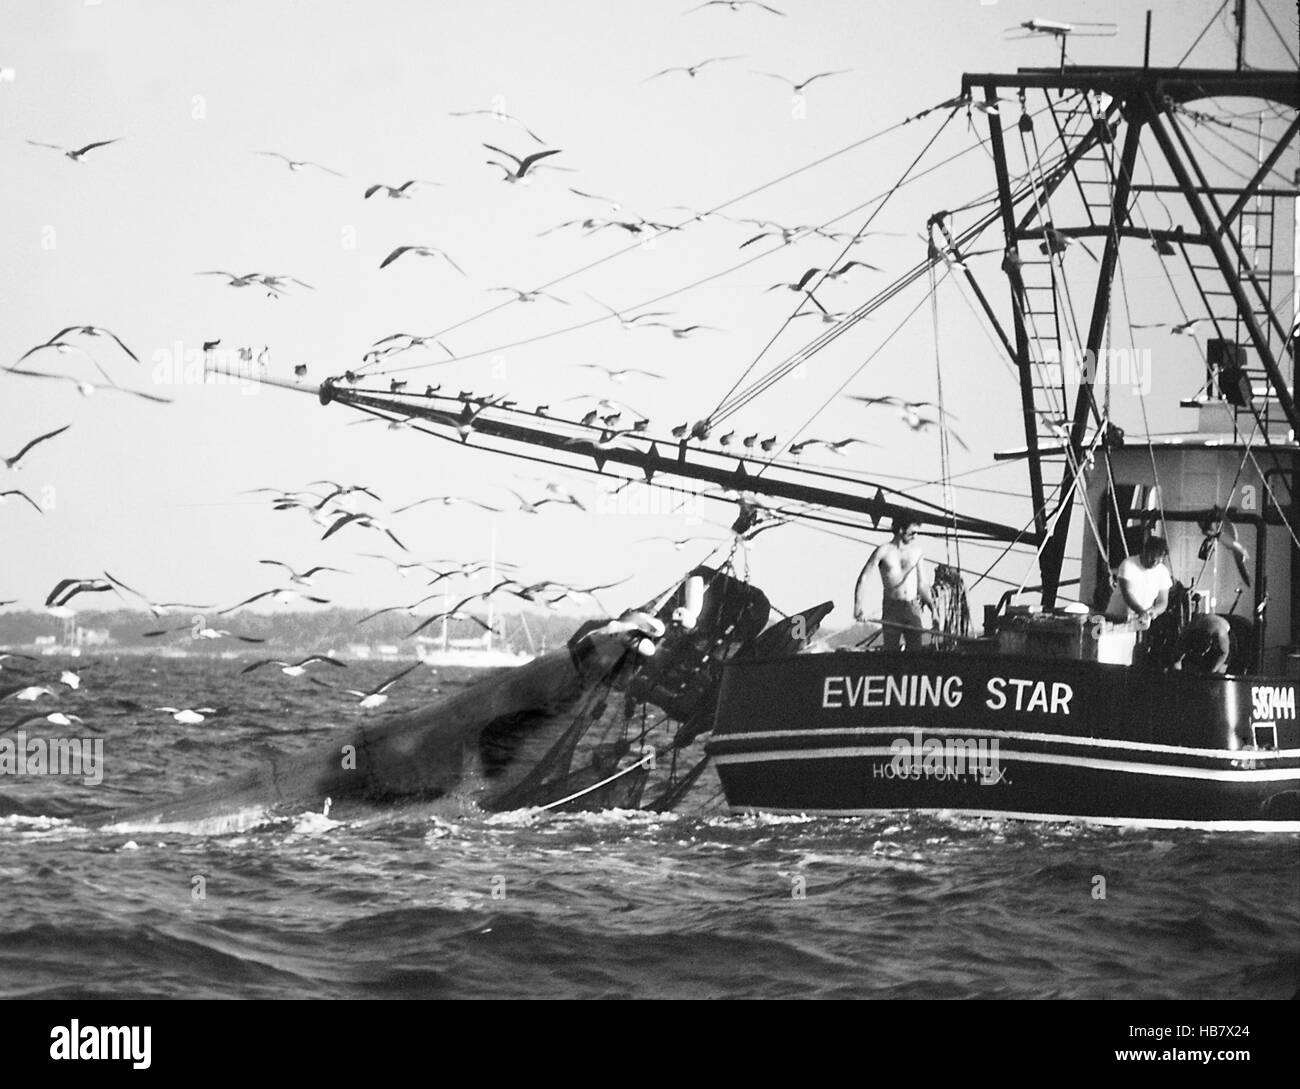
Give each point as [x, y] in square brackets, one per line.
[905, 592]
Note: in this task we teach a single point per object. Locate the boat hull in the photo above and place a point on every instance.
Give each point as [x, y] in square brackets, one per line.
[995, 735]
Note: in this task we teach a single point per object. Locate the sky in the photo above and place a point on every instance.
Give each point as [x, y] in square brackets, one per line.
[158, 493]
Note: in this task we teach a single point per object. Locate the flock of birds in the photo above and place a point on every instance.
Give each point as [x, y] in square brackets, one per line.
[334, 509]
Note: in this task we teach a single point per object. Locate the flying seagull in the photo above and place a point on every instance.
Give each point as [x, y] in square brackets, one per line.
[201, 632]
[734, 5]
[618, 374]
[87, 388]
[24, 495]
[92, 331]
[910, 412]
[421, 251]
[379, 694]
[530, 296]
[12, 463]
[55, 718]
[304, 578]
[522, 166]
[363, 520]
[499, 115]
[283, 593]
[447, 501]
[76, 155]
[797, 86]
[398, 192]
[294, 669]
[298, 164]
[689, 69]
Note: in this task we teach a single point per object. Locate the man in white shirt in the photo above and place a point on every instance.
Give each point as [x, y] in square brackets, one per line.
[1142, 585]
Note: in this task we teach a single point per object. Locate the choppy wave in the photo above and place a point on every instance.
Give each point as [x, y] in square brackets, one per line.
[416, 901]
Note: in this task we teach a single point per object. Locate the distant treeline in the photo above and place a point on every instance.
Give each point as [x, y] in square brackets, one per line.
[298, 629]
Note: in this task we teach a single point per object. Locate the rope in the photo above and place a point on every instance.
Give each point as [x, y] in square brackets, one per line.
[810, 291]
[645, 762]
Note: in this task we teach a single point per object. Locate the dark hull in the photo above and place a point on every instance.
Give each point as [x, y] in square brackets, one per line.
[1004, 736]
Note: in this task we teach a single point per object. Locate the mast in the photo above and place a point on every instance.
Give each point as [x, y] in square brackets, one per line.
[1239, 14]
[1141, 101]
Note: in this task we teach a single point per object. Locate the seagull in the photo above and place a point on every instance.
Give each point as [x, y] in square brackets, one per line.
[447, 501]
[298, 164]
[614, 206]
[276, 284]
[420, 251]
[618, 374]
[788, 234]
[87, 388]
[24, 495]
[284, 594]
[530, 296]
[342, 489]
[202, 631]
[627, 323]
[838, 447]
[413, 341]
[910, 411]
[533, 593]
[72, 680]
[797, 87]
[454, 613]
[66, 589]
[830, 274]
[465, 422]
[565, 499]
[303, 579]
[828, 317]
[157, 608]
[28, 693]
[1186, 328]
[501, 116]
[609, 440]
[91, 331]
[522, 165]
[686, 331]
[367, 521]
[378, 695]
[398, 192]
[76, 155]
[13, 653]
[689, 69]
[247, 280]
[294, 669]
[55, 718]
[188, 716]
[734, 5]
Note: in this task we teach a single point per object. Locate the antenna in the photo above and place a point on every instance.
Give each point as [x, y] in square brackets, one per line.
[1061, 31]
[1239, 14]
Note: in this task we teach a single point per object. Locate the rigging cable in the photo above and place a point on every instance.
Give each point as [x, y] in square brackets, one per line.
[843, 253]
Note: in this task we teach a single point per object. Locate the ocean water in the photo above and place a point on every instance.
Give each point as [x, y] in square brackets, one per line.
[415, 901]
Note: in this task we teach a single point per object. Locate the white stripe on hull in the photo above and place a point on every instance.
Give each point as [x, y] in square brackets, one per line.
[1012, 735]
[1239, 775]
[1063, 818]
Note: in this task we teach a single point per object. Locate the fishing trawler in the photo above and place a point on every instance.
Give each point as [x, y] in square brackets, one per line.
[1053, 712]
